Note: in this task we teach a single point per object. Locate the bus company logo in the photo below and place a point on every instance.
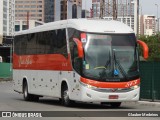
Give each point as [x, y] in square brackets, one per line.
[25, 61]
[114, 89]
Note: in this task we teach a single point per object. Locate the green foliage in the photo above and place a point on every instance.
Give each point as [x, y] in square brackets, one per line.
[153, 43]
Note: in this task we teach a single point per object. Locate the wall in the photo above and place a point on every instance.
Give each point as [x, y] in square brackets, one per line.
[5, 70]
[150, 80]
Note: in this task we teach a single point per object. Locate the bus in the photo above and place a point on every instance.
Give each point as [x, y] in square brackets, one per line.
[82, 60]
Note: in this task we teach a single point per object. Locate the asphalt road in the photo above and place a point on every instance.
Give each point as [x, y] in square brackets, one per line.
[12, 101]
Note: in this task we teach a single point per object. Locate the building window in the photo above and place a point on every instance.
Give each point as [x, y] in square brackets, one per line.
[24, 27]
[17, 27]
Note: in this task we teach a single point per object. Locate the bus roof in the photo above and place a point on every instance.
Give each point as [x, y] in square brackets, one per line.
[86, 25]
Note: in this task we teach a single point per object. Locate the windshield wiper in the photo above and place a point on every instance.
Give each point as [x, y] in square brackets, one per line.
[103, 74]
[119, 65]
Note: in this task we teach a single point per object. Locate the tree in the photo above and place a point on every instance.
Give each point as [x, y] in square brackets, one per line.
[153, 43]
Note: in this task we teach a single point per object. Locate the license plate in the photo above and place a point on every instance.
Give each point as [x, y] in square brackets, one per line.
[113, 96]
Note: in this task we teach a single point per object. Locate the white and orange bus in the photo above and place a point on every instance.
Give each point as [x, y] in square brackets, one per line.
[78, 60]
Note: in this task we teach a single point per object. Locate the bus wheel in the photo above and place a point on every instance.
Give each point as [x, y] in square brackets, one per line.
[115, 104]
[65, 96]
[26, 95]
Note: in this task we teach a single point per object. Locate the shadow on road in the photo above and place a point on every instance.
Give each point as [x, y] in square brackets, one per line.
[79, 105]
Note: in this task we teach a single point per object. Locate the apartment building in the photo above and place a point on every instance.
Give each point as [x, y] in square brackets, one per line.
[147, 25]
[6, 18]
[67, 9]
[35, 8]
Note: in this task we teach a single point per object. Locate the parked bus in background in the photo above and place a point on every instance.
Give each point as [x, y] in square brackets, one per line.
[78, 60]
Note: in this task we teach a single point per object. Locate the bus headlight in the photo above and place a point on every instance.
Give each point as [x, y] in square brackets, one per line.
[88, 86]
[135, 87]
[91, 87]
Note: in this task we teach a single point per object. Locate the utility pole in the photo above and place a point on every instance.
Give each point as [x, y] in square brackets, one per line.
[102, 7]
[137, 17]
[114, 10]
[27, 19]
[64, 12]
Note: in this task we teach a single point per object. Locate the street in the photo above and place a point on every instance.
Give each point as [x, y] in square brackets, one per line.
[12, 101]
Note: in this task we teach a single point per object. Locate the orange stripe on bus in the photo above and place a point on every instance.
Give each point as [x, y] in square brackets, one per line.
[42, 62]
[110, 84]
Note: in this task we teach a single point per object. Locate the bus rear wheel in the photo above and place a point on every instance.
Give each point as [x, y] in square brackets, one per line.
[26, 95]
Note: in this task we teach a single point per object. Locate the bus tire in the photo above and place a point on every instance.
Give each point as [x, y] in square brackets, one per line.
[115, 104]
[26, 95]
[65, 96]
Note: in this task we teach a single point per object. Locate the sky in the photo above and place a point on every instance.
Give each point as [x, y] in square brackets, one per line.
[146, 6]
[149, 7]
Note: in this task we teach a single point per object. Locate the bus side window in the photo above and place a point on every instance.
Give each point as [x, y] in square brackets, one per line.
[61, 43]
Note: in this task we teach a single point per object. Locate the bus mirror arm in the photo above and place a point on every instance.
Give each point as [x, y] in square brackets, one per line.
[145, 48]
[80, 47]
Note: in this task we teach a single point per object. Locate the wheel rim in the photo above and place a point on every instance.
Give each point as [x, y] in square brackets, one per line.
[65, 96]
[25, 92]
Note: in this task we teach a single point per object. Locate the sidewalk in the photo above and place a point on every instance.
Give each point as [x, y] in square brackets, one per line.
[145, 103]
[5, 79]
[148, 103]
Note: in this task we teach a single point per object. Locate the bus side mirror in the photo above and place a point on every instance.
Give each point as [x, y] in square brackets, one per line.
[145, 48]
[80, 47]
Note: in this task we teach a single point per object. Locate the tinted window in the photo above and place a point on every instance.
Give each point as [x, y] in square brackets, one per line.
[47, 42]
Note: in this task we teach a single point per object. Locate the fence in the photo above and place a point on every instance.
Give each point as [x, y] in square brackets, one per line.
[5, 70]
[150, 80]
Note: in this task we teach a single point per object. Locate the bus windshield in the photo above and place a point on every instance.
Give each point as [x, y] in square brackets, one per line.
[110, 57]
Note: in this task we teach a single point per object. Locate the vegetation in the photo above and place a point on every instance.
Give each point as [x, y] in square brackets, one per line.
[153, 43]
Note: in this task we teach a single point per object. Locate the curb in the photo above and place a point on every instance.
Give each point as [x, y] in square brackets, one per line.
[148, 103]
[5, 79]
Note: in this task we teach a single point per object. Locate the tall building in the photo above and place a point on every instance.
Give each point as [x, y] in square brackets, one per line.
[49, 10]
[126, 11]
[96, 8]
[34, 7]
[11, 17]
[31, 13]
[67, 9]
[6, 18]
[124, 8]
[147, 25]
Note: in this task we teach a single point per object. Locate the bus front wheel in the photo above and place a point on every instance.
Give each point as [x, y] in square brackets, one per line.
[26, 95]
[65, 96]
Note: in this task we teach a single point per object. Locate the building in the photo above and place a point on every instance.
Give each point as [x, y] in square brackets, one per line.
[86, 14]
[67, 9]
[124, 7]
[96, 8]
[147, 25]
[6, 18]
[22, 24]
[126, 11]
[34, 7]
[49, 10]
[39, 10]
[127, 20]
